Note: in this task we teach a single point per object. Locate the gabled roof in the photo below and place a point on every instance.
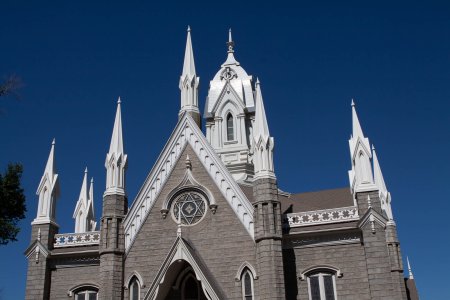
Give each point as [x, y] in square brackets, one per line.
[186, 132]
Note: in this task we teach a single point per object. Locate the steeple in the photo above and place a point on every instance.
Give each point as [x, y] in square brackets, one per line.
[189, 83]
[385, 196]
[116, 159]
[84, 213]
[361, 178]
[410, 273]
[48, 191]
[263, 142]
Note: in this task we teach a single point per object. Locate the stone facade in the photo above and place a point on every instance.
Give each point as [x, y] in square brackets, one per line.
[202, 227]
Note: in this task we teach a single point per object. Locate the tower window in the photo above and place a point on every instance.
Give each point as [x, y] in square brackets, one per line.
[134, 289]
[230, 127]
[322, 286]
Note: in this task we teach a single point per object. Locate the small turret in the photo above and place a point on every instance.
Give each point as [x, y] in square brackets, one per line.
[263, 142]
[48, 191]
[189, 83]
[84, 209]
[116, 159]
[361, 178]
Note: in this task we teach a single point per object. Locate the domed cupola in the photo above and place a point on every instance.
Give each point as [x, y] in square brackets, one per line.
[230, 114]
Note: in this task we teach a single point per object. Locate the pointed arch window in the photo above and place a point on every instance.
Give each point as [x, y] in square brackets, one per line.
[134, 289]
[247, 285]
[230, 127]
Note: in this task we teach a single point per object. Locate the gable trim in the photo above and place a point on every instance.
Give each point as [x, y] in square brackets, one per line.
[186, 132]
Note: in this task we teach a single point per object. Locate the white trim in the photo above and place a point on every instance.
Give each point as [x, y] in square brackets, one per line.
[138, 277]
[242, 267]
[186, 132]
[318, 268]
[83, 286]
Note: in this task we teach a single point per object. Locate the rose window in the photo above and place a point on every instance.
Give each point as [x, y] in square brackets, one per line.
[189, 208]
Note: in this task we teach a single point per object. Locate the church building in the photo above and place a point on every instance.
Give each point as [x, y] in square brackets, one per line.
[209, 221]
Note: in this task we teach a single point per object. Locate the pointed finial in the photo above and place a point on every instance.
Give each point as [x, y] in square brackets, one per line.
[257, 81]
[353, 102]
[188, 163]
[53, 142]
[411, 276]
[189, 29]
[369, 202]
[92, 180]
[230, 42]
[39, 235]
[373, 147]
[86, 170]
[119, 101]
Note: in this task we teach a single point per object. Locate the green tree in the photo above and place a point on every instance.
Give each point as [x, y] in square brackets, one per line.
[12, 203]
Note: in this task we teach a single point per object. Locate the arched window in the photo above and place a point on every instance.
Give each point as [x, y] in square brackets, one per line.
[134, 289]
[322, 285]
[247, 285]
[44, 202]
[230, 127]
[86, 295]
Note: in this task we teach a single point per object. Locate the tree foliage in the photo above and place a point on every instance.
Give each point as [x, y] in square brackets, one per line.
[11, 86]
[12, 203]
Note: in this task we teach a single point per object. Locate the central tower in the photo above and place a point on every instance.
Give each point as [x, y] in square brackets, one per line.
[230, 114]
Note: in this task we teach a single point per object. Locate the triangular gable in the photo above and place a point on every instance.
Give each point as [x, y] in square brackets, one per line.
[181, 250]
[186, 132]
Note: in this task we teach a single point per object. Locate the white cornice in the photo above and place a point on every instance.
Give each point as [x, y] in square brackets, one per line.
[186, 132]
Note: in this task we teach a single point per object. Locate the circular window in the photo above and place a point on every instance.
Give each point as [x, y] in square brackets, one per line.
[189, 207]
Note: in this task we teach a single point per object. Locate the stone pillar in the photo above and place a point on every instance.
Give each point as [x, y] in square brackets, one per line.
[268, 234]
[38, 273]
[383, 263]
[112, 246]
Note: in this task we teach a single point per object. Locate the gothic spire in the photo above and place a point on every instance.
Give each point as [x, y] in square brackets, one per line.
[361, 177]
[91, 195]
[189, 83]
[384, 194]
[116, 159]
[189, 65]
[410, 273]
[263, 143]
[116, 145]
[261, 129]
[48, 191]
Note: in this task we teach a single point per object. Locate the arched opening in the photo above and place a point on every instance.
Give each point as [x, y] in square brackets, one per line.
[230, 127]
[247, 285]
[181, 283]
[44, 202]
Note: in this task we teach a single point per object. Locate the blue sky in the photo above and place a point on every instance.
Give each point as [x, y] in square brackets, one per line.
[76, 57]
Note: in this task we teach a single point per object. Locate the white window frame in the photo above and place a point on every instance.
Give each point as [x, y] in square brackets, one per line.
[135, 280]
[321, 275]
[86, 293]
[250, 275]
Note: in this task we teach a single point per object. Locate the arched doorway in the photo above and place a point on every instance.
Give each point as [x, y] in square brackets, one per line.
[183, 283]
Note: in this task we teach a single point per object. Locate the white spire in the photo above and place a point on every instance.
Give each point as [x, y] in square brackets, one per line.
[261, 129]
[385, 196]
[361, 177]
[116, 145]
[116, 159]
[410, 273]
[263, 143]
[189, 65]
[84, 209]
[189, 82]
[48, 191]
[230, 46]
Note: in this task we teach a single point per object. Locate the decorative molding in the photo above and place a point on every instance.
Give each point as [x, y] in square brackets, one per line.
[242, 267]
[83, 286]
[311, 269]
[325, 216]
[77, 239]
[130, 277]
[324, 240]
[372, 216]
[186, 132]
